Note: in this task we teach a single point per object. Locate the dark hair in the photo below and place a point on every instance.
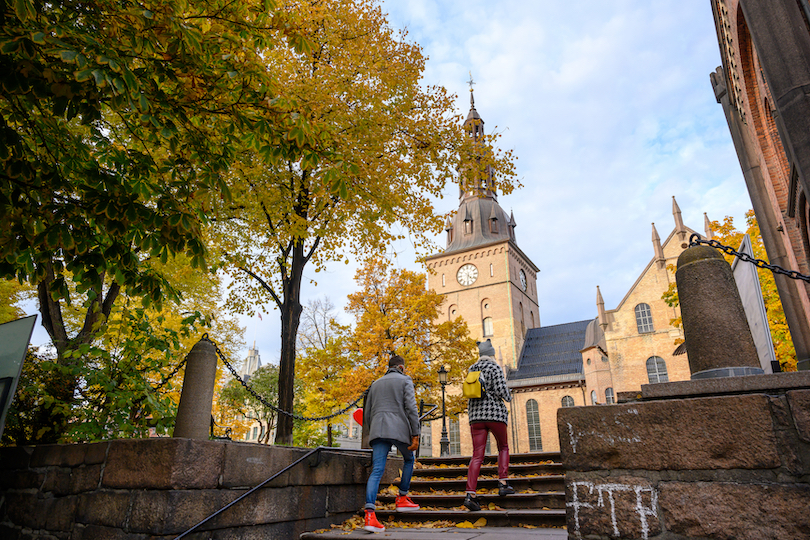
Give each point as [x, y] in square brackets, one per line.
[396, 360]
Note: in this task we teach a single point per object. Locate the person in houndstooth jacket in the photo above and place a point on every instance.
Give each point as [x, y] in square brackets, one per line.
[488, 414]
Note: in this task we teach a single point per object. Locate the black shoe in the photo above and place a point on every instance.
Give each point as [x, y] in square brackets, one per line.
[472, 503]
[505, 489]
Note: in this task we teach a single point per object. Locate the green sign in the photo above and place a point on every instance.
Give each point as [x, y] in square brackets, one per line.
[14, 339]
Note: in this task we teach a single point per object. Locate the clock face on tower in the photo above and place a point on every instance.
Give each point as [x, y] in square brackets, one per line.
[467, 274]
[523, 282]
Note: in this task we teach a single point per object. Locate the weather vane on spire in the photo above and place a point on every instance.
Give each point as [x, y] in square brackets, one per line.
[471, 82]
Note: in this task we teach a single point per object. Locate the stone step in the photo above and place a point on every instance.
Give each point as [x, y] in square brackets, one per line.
[549, 500]
[491, 459]
[494, 518]
[550, 482]
[518, 469]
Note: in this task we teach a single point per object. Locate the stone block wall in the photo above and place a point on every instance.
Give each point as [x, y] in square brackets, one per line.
[697, 467]
[159, 488]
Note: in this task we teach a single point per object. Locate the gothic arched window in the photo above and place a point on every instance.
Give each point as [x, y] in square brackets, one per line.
[656, 370]
[454, 434]
[644, 320]
[609, 398]
[487, 326]
[533, 422]
[567, 401]
[593, 397]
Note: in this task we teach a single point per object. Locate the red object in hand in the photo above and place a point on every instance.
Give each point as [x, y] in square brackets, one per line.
[358, 416]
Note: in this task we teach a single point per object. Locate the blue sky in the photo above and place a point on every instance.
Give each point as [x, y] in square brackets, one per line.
[609, 109]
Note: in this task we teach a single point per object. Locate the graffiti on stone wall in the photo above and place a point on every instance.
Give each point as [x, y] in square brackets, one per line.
[605, 435]
[606, 501]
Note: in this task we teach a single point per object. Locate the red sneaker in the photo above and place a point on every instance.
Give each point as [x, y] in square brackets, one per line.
[405, 504]
[372, 525]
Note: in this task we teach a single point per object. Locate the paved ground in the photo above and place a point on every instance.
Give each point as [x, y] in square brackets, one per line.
[451, 533]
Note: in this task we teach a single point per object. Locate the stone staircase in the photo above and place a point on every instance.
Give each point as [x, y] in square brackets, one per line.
[438, 487]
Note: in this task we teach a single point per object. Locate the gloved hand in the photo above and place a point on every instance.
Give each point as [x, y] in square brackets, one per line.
[414, 444]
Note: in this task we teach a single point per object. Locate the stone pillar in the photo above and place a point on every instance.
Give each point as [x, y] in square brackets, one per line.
[194, 412]
[718, 339]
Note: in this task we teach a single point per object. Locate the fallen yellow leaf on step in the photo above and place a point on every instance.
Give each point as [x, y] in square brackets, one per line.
[482, 522]
[465, 525]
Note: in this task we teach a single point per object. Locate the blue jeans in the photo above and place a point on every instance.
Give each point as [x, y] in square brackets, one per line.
[380, 448]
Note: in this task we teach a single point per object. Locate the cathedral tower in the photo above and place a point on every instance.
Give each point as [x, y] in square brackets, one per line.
[483, 275]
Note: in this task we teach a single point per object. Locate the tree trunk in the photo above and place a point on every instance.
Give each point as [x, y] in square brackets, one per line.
[61, 384]
[290, 319]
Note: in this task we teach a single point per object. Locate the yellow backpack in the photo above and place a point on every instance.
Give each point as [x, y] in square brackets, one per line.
[472, 388]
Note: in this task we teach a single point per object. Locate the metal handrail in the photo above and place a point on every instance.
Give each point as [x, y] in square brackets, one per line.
[279, 473]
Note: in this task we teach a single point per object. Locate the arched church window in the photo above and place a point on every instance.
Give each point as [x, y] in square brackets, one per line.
[567, 401]
[656, 370]
[644, 320]
[452, 312]
[531, 313]
[533, 422]
[593, 397]
[487, 326]
[493, 225]
[491, 270]
[609, 398]
[454, 434]
[467, 226]
[443, 283]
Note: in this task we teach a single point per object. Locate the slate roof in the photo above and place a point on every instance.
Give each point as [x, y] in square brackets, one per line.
[552, 351]
[479, 210]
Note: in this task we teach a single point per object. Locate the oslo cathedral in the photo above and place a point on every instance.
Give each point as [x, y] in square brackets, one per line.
[489, 281]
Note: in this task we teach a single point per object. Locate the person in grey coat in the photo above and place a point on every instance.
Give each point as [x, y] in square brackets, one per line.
[390, 410]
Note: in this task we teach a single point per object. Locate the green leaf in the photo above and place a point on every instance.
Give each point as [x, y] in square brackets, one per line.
[83, 75]
[132, 82]
[10, 47]
[38, 37]
[99, 77]
[24, 10]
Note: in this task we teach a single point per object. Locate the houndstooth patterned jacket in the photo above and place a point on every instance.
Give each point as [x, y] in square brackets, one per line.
[489, 407]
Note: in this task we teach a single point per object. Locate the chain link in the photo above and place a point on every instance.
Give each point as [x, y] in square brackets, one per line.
[696, 239]
[266, 403]
[168, 377]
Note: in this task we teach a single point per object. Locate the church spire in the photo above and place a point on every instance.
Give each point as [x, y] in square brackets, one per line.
[600, 306]
[679, 226]
[474, 124]
[659, 251]
[707, 227]
[482, 184]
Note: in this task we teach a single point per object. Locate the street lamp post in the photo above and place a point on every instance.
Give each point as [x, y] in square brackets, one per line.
[444, 444]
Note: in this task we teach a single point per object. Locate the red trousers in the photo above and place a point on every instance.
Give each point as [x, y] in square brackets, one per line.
[480, 431]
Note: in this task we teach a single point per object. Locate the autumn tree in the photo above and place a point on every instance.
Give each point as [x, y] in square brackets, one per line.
[265, 382]
[394, 313]
[376, 148]
[129, 376]
[118, 120]
[12, 294]
[725, 233]
[322, 361]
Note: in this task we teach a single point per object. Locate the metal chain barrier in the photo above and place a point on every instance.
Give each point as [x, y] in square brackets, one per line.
[696, 239]
[267, 403]
[168, 377]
